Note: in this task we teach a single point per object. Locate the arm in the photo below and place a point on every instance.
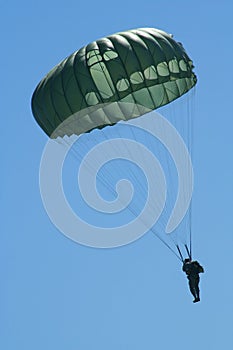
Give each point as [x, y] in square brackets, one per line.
[199, 267]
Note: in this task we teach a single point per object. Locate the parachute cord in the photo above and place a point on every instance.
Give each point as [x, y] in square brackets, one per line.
[105, 183]
[76, 155]
[188, 252]
[166, 244]
[190, 232]
[190, 244]
[191, 111]
[178, 248]
[134, 212]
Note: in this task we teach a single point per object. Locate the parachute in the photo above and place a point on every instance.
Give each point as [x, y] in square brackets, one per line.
[117, 78]
[143, 66]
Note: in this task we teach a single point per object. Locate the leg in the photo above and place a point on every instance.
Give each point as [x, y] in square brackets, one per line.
[197, 290]
[194, 288]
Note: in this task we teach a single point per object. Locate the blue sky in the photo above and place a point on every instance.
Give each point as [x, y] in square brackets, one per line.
[56, 294]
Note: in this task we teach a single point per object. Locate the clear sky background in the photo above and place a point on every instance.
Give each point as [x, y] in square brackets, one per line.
[56, 294]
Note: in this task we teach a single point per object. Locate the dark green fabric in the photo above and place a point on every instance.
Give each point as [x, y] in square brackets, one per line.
[143, 66]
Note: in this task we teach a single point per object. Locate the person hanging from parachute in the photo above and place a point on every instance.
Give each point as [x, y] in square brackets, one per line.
[192, 270]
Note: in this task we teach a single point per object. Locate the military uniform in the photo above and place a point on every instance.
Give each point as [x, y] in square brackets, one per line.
[192, 270]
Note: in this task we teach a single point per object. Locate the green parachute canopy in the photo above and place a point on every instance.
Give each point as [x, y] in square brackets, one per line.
[143, 67]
